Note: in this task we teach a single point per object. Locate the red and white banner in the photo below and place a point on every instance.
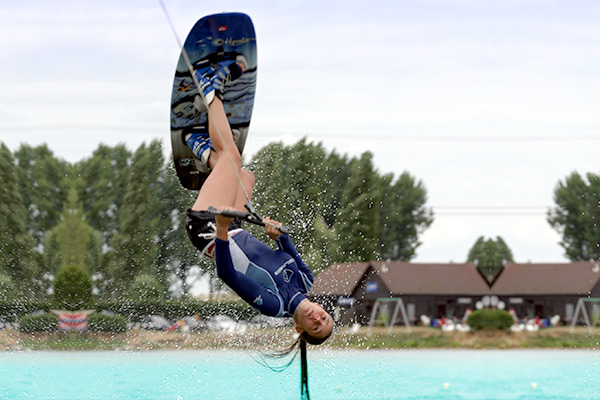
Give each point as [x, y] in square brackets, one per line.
[72, 321]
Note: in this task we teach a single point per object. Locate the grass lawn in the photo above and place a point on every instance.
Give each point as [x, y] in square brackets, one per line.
[344, 338]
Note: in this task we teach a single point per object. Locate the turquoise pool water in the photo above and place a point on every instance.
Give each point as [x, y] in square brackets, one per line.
[378, 375]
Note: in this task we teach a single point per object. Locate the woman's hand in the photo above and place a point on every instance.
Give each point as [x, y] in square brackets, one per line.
[271, 228]
[223, 220]
[223, 224]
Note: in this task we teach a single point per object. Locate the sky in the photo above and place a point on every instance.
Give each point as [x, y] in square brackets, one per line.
[490, 104]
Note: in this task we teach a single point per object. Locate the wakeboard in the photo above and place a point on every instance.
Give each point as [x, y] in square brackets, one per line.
[213, 38]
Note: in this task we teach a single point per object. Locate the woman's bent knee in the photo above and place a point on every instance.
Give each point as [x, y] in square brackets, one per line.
[248, 177]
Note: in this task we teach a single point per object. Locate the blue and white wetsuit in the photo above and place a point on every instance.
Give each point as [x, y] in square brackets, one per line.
[272, 281]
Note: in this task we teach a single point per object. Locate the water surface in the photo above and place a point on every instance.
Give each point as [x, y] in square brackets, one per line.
[376, 374]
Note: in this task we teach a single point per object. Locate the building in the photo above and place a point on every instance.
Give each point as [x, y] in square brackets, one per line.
[448, 290]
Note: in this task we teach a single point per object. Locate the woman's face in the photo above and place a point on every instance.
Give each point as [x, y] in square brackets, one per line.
[313, 320]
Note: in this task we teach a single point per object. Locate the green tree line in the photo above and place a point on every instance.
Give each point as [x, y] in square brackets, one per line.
[114, 222]
[112, 225]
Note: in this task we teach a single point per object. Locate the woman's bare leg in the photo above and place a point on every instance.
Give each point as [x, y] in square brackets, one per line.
[221, 188]
[247, 179]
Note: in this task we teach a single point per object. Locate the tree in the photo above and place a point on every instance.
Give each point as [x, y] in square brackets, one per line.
[146, 287]
[490, 256]
[324, 249]
[102, 183]
[176, 254]
[8, 291]
[72, 248]
[339, 209]
[291, 187]
[358, 218]
[17, 255]
[337, 172]
[43, 187]
[77, 242]
[404, 216]
[272, 187]
[135, 244]
[577, 216]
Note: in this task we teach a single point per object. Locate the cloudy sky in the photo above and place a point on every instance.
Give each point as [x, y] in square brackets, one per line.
[489, 103]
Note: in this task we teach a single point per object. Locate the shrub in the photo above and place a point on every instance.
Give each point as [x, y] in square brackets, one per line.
[490, 319]
[73, 287]
[33, 323]
[146, 287]
[12, 310]
[113, 323]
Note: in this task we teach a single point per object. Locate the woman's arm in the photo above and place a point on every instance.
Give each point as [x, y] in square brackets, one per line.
[285, 243]
[223, 226]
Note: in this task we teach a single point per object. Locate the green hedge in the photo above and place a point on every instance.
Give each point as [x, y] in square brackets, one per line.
[136, 310]
[33, 323]
[490, 319]
[11, 310]
[107, 323]
[177, 308]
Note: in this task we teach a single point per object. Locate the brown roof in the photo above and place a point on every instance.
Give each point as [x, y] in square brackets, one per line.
[417, 278]
[339, 279]
[403, 278]
[577, 278]
[572, 278]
